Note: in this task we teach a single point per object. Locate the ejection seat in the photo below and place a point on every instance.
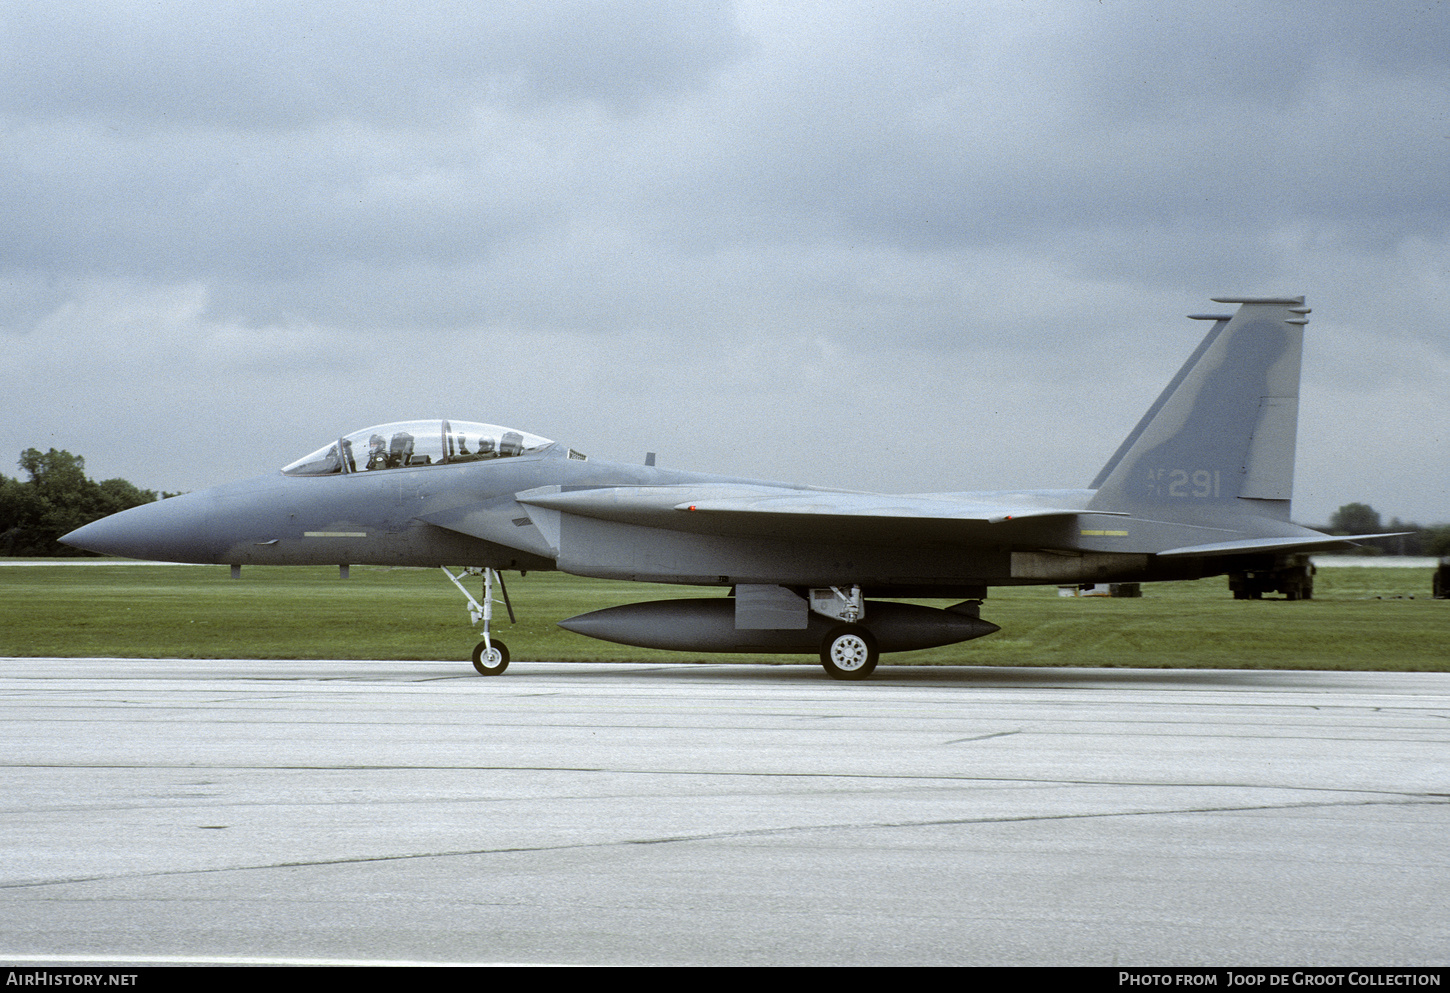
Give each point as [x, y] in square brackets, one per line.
[400, 450]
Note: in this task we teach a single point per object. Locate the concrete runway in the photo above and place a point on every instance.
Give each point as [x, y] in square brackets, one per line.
[634, 814]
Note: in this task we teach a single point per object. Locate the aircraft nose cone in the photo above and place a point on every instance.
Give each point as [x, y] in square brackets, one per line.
[174, 530]
[93, 537]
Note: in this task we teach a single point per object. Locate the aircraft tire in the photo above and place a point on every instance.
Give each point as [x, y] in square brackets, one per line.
[494, 662]
[849, 652]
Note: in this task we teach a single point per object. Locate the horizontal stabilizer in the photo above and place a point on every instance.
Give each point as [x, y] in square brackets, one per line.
[1250, 546]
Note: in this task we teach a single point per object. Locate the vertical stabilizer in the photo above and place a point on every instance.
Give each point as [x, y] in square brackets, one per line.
[1221, 436]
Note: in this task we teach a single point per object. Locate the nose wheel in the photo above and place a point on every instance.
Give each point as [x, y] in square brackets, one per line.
[490, 657]
[849, 652]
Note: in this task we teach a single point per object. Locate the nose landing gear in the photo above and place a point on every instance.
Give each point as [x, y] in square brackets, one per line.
[490, 656]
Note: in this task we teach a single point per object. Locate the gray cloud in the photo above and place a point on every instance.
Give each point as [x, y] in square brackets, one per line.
[274, 66]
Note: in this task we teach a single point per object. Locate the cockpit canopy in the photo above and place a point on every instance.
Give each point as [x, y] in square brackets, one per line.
[415, 443]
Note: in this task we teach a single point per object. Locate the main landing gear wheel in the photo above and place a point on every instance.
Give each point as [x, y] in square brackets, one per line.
[849, 652]
[490, 661]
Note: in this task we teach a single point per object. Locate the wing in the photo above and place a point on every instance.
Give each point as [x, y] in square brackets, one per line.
[734, 509]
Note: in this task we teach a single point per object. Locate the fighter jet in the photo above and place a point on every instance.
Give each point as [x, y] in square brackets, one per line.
[1200, 487]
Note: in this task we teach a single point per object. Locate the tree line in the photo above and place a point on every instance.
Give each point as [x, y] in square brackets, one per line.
[59, 497]
[1361, 518]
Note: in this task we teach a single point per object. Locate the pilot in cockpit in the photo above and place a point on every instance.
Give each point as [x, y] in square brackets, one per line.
[377, 452]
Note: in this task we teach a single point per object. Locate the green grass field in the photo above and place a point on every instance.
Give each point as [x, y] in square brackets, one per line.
[1361, 618]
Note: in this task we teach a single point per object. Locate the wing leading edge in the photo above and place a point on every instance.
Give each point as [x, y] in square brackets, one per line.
[736, 510]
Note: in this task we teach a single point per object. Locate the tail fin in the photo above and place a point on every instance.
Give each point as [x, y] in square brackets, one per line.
[1223, 431]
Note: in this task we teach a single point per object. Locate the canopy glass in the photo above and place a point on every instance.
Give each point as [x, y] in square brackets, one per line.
[415, 443]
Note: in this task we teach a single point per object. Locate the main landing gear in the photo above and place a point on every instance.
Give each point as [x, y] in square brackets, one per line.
[490, 656]
[849, 652]
[849, 649]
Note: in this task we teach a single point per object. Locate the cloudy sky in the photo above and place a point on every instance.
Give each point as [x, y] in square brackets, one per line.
[895, 246]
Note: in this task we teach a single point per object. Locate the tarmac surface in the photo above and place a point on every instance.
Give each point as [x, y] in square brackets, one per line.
[370, 812]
